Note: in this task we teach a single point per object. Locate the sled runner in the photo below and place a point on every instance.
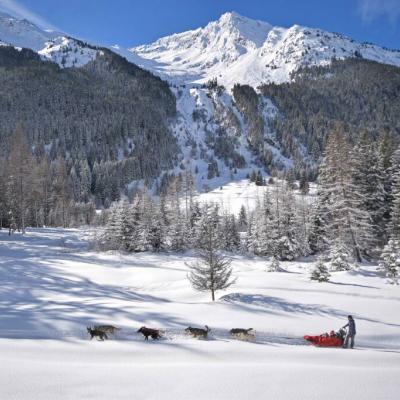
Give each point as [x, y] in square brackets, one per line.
[333, 339]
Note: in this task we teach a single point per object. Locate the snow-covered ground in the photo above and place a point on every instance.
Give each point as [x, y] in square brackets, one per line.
[53, 286]
[232, 196]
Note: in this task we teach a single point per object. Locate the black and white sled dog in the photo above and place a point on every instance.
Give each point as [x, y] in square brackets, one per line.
[198, 332]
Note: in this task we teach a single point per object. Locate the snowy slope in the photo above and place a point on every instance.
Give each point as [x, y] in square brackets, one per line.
[236, 49]
[54, 46]
[203, 114]
[237, 193]
[22, 33]
[53, 286]
[68, 52]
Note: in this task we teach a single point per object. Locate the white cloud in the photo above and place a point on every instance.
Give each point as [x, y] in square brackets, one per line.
[12, 7]
[371, 9]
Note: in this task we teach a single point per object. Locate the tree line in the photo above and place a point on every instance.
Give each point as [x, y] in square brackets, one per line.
[37, 192]
[353, 216]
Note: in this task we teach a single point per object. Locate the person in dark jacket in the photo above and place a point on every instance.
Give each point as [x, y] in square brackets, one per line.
[351, 332]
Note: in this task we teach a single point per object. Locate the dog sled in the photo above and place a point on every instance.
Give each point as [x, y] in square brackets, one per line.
[332, 339]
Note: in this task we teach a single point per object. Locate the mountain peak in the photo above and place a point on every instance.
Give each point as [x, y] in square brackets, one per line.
[231, 16]
[249, 29]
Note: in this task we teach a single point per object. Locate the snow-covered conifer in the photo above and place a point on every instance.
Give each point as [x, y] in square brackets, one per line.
[229, 233]
[274, 265]
[320, 272]
[339, 257]
[242, 219]
[390, 261]
[344, 212]
[394, 225]
[213, 271]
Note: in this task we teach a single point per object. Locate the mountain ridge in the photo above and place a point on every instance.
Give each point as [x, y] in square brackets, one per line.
[237, 49]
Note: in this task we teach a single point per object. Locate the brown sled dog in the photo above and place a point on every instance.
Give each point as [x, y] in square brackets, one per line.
[153, 333]
[93, 332]
[198, 332]
[107, 328]
[243, 334]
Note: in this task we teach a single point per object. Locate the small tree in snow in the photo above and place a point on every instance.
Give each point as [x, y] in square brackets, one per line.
[320, 272]
[274, 265]
[390, 261]
[213, 271]
[340, 258]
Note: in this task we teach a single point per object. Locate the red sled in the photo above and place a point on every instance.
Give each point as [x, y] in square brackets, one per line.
[327, 340]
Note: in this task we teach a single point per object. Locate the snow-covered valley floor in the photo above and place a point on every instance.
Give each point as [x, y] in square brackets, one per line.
[53, 286]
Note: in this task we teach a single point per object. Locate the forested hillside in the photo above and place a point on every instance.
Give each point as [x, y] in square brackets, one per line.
[363, 95]
[108, 119]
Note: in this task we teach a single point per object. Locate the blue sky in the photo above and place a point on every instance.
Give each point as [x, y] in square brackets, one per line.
[133, 22]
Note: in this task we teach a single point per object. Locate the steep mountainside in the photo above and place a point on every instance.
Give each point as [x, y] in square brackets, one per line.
[109, 113]
[236, 49]
[364, 95]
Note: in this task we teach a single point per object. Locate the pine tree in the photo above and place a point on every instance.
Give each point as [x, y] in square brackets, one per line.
[207, 228]
[369, 179]
[3, 198]
[274, 265]
[20, 168]
[112, 238]
[339, 257]
[123, 229]
[387, 163]
[230, 239]
[242, 219]
[390, 261]
[156, 232]
[61, 194]
[213, 271]
[290, 179]
[251, 241]
[85, 182]
[173, 216]
[263, 234]
[394, 223]
[288, 244]
[320, 272]
[344, 203]
[304, 186]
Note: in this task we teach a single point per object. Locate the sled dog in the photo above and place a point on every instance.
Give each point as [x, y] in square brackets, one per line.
[243, 334]
[198, 332]
[107, 328]
[93, 332]
[153, 333]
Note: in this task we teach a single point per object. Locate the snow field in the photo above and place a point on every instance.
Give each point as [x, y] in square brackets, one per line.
[53, 286]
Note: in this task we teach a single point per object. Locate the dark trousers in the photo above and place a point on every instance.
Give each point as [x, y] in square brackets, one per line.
[349, 336]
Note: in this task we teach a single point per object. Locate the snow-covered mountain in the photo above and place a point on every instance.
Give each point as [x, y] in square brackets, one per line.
[56, 46]
[233, 49]
[22, 33]
[236, 49]
[219, 138]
